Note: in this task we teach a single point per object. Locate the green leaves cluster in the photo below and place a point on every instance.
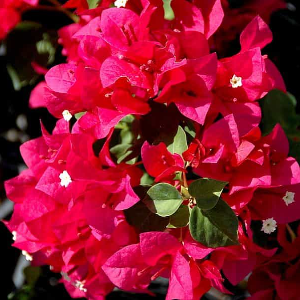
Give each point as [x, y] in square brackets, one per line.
[38, 45]
[280, 107]
[27, 291]
[212, 221]
[123, 150]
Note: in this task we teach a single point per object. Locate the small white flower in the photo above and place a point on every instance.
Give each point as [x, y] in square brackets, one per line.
[67, 115]
[269, 225]
[289, 198]
[80, 286]
[236, 81]
[27, 255]
[65, 179]
[120, 3]
[14, 235]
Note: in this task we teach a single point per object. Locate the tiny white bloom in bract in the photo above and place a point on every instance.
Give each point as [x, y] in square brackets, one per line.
[80, 286]
[67, 115]
[269, 225]
[65, 179]
[27, 255]
[236, 81]
[120, 3]
[289, 198]
[14, 235]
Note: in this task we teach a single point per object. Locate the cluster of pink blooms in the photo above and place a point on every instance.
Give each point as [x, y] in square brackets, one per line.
[134, 60]
[10, 14]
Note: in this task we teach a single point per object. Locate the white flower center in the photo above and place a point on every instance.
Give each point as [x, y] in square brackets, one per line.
[80, 286]
[67, 115]
[236, 81]
[65, 179]
[289, 198]
[120, 3]
[269, 225]
[27, 255]
[14, 235]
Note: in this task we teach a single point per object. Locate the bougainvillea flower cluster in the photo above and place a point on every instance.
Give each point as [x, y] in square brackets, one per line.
[157, 165]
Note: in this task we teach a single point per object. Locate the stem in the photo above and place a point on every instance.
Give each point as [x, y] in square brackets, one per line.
[291, 232]
[184, 180]
[180, 237]
[54, 2]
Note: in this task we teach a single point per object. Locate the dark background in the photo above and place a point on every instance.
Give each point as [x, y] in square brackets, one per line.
[284, 51]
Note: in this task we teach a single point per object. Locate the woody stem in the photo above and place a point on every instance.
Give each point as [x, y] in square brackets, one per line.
[184, 180]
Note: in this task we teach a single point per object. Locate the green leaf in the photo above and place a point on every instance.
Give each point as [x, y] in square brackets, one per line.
[180, 218]
[207, 192]
[17, 84]
[169, 13]
[126, 136]
[179, 144]
[80, 114]
[295, 148]
[216, 227]
[26, 292]
[166, 199]
[190, 129]
[147, 179]
[279, 107]
[143, 219]
[93, 3]
[32, 274]
[121, 151]
[38, 45]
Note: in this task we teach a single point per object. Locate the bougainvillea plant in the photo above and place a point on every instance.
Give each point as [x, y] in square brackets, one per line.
[164, 161]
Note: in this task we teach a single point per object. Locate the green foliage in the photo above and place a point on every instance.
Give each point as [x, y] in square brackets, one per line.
[27, 292]
[206, 192]
[280, 107]
[169, 13]
[32, 274]
[123, 149]
[143, 219]
[216, 227]
[147, 179]
[38, 45]
[179, 144]
[180, 218]
[79, 115]
[93, 3]
[165, 198]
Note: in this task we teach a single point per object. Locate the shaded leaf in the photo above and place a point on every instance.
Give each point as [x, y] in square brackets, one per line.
[295, 148]
[143, 219]
[180, 218]
[279, 107]
[121, 151]
[207, 192]
[38, 46]
[216, 227]
[32, 274]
